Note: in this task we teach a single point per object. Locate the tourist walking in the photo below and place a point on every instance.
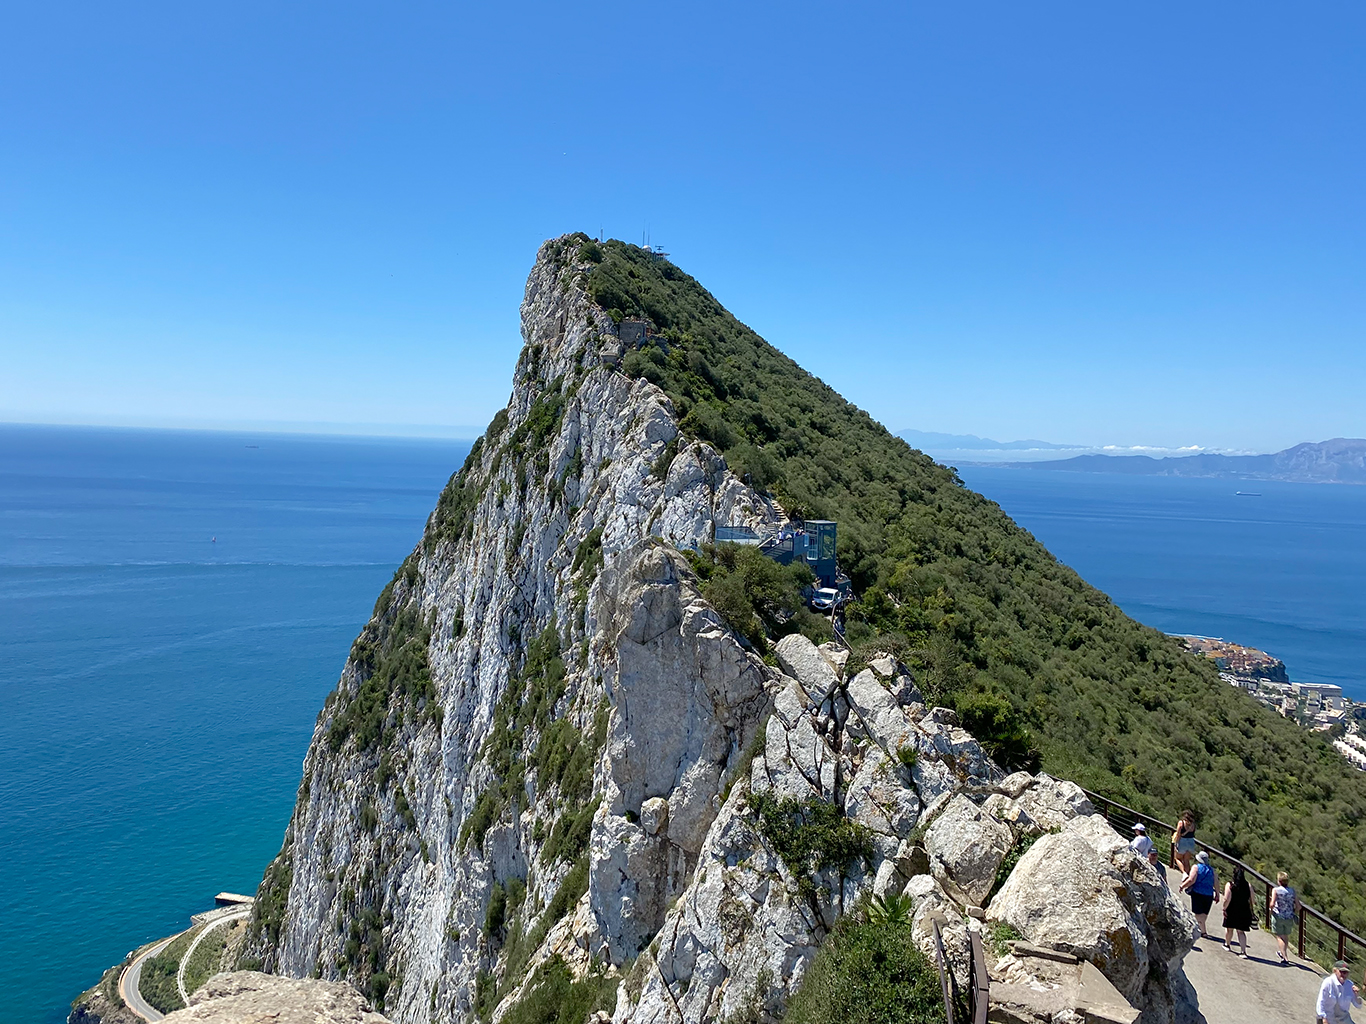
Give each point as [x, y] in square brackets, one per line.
[1237, 910]
[1285, 907]
[1337, 996]
[1158, 866]
[1183, 839]
[1140, 843]
[1200, 884]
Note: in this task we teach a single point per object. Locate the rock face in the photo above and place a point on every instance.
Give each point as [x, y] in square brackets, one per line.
[547, 751]
[247, 997]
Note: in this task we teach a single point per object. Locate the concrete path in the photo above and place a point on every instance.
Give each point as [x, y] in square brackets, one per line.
[1237, 991]
[130, 979]
[185, 960]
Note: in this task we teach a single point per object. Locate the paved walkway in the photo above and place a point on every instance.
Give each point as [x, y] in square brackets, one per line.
[1237, 991]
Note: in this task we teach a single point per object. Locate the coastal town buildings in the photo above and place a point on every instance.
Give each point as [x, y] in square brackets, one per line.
[1318, 707]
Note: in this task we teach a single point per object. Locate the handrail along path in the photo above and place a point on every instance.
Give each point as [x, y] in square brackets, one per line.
[1349, 945]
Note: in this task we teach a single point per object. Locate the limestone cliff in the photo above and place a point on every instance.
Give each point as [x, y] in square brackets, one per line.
[547, 751]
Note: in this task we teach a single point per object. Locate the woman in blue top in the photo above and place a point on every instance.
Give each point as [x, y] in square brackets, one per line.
[1200, 884]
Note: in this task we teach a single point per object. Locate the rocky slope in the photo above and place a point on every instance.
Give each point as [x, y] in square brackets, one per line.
[548, 755]
[247, 997]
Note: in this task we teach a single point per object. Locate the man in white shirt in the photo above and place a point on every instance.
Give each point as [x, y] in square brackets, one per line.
[1140, 843]
[1337, 996]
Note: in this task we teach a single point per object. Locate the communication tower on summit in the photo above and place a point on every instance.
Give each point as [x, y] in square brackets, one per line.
[654, 250]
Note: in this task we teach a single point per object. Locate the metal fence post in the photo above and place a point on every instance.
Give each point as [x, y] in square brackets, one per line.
[1301, 932]
[945, 976]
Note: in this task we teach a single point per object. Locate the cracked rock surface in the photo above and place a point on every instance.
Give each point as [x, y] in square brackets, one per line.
[548, 744]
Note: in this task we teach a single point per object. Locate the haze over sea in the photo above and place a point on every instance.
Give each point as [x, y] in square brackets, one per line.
[161, 685]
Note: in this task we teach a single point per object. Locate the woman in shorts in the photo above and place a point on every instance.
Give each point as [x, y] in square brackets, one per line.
[1184, 840]
[1285, 907]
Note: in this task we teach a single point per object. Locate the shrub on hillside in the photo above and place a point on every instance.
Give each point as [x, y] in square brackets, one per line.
[868, 973]
[991, 623]
[757, 597]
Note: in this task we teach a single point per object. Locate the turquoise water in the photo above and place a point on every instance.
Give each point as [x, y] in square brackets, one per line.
[1284, 570]
[174, 606]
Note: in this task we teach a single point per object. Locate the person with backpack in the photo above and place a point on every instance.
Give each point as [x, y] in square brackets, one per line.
[1285, 907]
[1200, 884]
[1237, 910]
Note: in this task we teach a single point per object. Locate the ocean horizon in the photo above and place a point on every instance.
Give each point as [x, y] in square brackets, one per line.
[175, 606]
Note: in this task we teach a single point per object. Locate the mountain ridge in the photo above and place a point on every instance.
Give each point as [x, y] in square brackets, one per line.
[551, 747]
[929, 439]
[1338, 460]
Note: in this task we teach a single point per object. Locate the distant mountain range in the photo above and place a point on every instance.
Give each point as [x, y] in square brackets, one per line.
[1341, 460]
[929, 440]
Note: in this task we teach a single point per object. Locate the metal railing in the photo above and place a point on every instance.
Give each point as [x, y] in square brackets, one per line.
[1318, 937]
[947, 983]
[979, 991]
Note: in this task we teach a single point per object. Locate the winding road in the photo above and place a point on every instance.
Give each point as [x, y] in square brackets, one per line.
[185, 960]
[132, 976]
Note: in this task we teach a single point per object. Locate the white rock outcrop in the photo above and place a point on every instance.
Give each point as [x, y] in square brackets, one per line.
[548, 746]
[249, 997]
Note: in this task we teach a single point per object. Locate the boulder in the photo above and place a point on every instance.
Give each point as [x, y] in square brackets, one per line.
[1052, 803]
[1014, 785]
[880, 718]
[837, 656]
[1066, 895]
[883, 665]
[966, 846]
[246, 997]
[930, 903]
[654, 815]
[803, 661]
[880, 798]
[1009, 813]
[906, 693]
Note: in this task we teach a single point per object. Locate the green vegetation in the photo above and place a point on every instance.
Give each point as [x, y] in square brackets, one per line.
[757, 597]
[158, 983]
[390, 656]
[810, 836]
[520, 945]
[907, 755]
[207, 959]
[268, 912]
[1002, 935]
[1042, 666]
[893, 908]
[554, 997]
[363, 954]
[523, 721]
[868, 972]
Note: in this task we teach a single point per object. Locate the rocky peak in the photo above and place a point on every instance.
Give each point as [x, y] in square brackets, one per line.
[551, 769]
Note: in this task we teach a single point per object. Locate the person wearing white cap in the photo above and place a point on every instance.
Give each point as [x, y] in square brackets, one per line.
[1140, 843]
[1337, 996]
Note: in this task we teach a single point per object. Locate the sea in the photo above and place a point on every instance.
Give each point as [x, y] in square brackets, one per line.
[175, 606]
[1277, 566]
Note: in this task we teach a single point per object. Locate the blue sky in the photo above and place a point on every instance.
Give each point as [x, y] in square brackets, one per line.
[1080, 222]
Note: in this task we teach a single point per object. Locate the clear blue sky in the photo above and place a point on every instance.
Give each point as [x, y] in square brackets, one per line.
[1087, 222]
